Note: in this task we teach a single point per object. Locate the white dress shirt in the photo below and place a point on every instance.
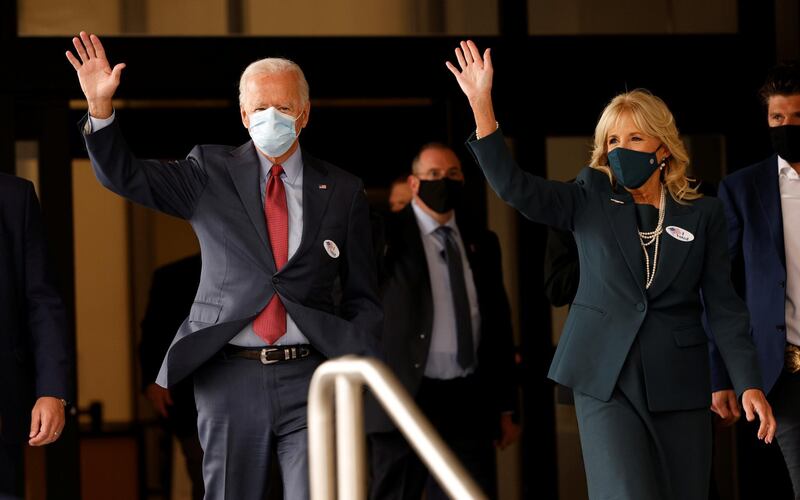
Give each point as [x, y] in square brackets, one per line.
[789, 183]
[443, 352]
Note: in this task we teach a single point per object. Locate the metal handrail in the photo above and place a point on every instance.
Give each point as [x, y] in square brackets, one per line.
[344, 377]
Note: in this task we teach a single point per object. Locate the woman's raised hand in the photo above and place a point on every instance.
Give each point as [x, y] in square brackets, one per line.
[475, 76]
[475, 80]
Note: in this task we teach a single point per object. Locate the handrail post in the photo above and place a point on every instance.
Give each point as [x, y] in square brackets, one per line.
[350, 439]
[321, 438]
[347, 375]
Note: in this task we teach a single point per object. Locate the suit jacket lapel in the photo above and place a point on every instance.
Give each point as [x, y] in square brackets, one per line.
[243, 167]
[317, 189]
[622, 217]
[769, 194]
[672, 252]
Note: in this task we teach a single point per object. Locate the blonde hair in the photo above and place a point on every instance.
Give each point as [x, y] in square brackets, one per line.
[652, 117]
[272, 66]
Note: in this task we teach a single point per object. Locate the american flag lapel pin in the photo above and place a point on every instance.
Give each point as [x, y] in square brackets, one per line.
[323, 186]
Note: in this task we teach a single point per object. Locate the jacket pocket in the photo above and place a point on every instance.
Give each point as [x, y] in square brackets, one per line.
[202, 312]
[587, 307]
[690, 336]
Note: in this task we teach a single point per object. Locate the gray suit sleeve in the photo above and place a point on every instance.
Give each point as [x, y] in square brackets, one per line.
[172, 187]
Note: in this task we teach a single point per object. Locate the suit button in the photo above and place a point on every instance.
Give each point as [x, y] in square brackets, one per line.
[276, 280]
[422, 335]
[640, 307]
[781, 328]
[416, 365]
[783, 284]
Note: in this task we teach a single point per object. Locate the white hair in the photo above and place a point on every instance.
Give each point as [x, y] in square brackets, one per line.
[273, 66]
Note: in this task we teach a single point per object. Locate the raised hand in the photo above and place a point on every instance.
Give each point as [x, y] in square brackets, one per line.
[475, 76]
[475, 80]
[754, 402]
[98, 80]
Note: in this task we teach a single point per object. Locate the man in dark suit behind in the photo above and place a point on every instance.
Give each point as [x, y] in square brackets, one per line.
[36, 353]
[447, 333]
[288, 275]
[171, 296]
[761, 203]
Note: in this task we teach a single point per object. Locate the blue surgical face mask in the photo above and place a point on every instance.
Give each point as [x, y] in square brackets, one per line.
[272, 131]
[632, 168]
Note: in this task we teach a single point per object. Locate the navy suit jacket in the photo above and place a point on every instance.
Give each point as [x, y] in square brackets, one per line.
[752, 201]
[334, 301]
[36, 352]
[612, 309]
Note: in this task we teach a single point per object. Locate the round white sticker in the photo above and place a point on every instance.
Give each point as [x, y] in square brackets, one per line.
[679, 234]
[331, 248]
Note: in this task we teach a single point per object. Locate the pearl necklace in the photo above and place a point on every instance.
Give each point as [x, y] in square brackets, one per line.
[647, 238]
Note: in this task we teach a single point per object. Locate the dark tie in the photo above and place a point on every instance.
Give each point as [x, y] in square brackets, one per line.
[458, 287]
[270, 324]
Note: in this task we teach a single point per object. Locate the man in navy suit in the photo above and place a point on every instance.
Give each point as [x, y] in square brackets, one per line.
[288, 276]
[762, 206]
[35, 350]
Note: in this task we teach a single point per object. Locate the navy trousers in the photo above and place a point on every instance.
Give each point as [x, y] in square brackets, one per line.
[245, 409]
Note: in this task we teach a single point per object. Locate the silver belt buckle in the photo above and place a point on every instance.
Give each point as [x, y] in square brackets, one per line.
[264, 353]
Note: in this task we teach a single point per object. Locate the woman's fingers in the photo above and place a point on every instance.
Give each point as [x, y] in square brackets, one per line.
[475, 53]
[73, 61]
[460, 58]
[467, 52]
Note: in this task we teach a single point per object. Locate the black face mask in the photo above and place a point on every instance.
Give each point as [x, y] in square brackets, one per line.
[786, 142]
[442, 195]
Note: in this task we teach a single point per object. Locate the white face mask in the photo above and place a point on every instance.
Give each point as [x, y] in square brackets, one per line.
[272, 131]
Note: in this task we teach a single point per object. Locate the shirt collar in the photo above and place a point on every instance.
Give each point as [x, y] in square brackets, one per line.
[292, 166]
[427, 224]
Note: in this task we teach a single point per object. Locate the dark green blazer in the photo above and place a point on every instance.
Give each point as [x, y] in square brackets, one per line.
[612, 308]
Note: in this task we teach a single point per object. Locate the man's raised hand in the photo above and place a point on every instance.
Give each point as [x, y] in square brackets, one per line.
[98, 80]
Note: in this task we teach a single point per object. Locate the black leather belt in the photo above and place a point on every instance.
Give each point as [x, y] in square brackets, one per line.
[269, 355]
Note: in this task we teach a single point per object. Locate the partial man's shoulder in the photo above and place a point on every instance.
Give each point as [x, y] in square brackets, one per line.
[746, 175]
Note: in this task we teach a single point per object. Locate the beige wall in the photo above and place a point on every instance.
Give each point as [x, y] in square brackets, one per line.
[295, 18]
[324, 17]
[102, 296]
[186, 17]
[58, 17]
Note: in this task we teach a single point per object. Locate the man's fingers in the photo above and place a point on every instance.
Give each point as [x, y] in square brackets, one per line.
[734, 407]
[168, 398]
[722, 411]
[98, 47]
[88, 44]
[80, 49]
[73, 61]
[116, 73]
[460, 57]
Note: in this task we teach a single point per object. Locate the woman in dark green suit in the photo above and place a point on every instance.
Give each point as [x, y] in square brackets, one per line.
[633, 348]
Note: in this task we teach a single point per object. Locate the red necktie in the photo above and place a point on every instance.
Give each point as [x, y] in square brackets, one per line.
[270, 324]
